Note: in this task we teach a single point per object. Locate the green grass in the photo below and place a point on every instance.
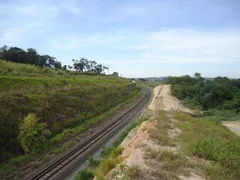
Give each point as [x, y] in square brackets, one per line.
[65, 134]
[221, 115]
[19, 69]
[211, 141]
[152, 84]
[68, 104]
[84, 175]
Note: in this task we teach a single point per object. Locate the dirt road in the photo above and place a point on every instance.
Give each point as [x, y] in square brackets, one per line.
[163, 100]
[234, 126]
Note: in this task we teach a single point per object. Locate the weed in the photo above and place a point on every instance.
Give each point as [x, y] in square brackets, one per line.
[129, 172]
[93, 162]
[84, 175]
[160, 132]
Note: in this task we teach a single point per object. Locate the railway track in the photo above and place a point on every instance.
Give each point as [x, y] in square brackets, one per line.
[11, 173]
[53, 169]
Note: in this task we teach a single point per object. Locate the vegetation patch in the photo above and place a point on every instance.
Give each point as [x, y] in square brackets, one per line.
[210, 141]
[219, 97]
[160, 132]
[62, 105]
[84, 175]
[168, 160]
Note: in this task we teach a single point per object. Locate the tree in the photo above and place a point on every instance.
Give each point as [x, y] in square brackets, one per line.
[115, 74]
[64, 67]
[32, 133]
[70, 67]
[98, 68]
[91, 65]
[32, 57]
[79, 65]
[197, 75]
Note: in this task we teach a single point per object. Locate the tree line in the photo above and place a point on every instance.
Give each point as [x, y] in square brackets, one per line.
[219, 93]
[32, 57]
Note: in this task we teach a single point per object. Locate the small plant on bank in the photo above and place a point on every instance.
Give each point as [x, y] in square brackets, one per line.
[32, 133]
[84, 175]
[93, 162]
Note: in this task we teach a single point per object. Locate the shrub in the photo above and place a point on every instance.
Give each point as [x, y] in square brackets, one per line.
[32, 133]
[84, 175]
[93, 162]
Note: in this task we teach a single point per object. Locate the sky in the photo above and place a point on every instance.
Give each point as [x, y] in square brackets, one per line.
[137, 38]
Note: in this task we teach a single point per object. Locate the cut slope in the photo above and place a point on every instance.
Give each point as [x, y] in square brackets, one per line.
[60, 102]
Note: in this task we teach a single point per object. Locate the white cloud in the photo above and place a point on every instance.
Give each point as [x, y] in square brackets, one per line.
[163, 46]
[22, 20]
[191, 45]
[78, 41]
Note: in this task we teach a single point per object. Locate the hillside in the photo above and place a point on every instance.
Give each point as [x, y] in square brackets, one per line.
[63, 101]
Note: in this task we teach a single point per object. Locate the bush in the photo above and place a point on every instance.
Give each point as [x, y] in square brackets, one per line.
[93, 162]
[84, 175]
[32, 133]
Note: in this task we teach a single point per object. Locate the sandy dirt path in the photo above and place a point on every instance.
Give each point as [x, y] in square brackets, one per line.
[163, 100]
[234, 126]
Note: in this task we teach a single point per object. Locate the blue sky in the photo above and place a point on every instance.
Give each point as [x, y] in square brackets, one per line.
[137, 38]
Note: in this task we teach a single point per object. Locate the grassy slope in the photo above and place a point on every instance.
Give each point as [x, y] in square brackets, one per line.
[214, 142]
[62, 100]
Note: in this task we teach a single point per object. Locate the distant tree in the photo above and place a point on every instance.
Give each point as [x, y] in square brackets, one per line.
[115, 74]
[219, 93]
[57, 64]
[98, 68]
[15, 54]
[90, 65]
[64, 67]
[197, 75]
[142, 79]
[70, 67]
[32, 57]
[32, 133]
[105, 68]
[79, 65]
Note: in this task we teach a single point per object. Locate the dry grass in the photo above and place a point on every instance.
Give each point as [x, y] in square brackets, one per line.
[160, 132]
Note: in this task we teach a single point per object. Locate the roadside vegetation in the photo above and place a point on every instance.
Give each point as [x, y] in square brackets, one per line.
[219, 98]
[59, 103]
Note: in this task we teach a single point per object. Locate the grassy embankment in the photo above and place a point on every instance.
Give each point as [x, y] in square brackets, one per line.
[66, 101]
[203, 147]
